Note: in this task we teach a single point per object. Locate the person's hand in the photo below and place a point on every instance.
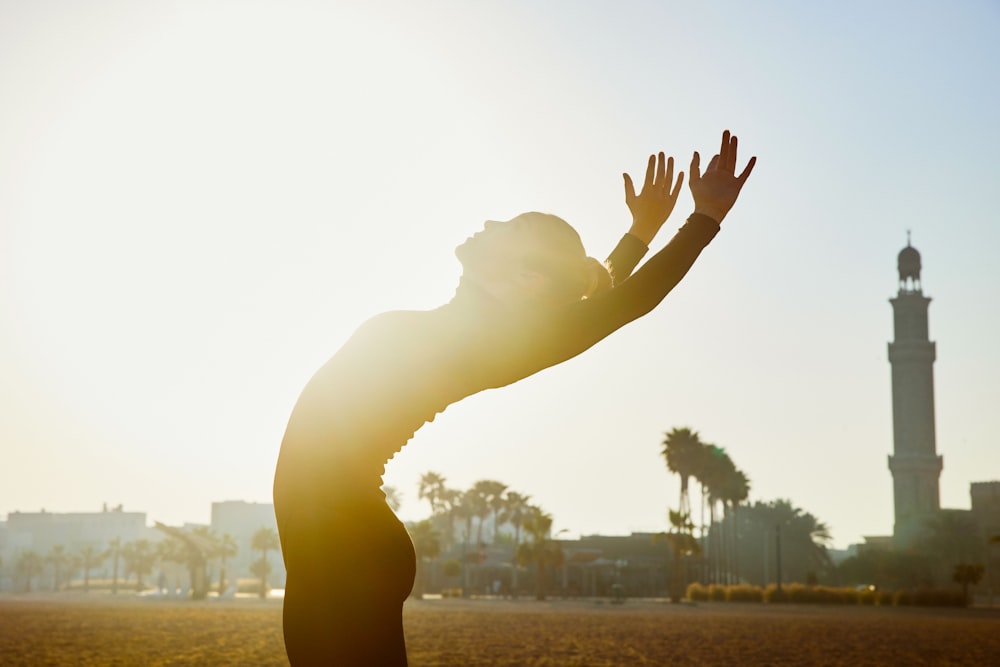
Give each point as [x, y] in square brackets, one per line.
[716, 190]
[651, 207]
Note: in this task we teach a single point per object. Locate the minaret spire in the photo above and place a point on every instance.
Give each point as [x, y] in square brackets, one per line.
[915, 464]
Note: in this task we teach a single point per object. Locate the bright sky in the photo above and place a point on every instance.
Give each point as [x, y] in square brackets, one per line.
[199, 202]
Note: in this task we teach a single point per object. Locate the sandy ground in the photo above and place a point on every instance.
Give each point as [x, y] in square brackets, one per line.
[77, 629]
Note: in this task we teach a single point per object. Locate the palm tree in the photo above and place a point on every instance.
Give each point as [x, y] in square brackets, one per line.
[966, 574]
[541, 551]
[467, 508]
[29, 564]
[139, 557]
[209, 544]
[171, 549]
[430, 489]
[682, 448]
[59, 559]
[804, 540]
[264, 540]
[491, 492]
[192, 548]
[427, 546]
[716, 469]
[734, 490]
[451, 504]
[682, 544]
[227, 549]
[261, 568]
[514, 512]
[115, 550]
[472, 506]
[90, 558]
[481, 505]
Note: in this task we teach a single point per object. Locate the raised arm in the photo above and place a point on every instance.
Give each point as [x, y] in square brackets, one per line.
[714, 192]
[653, 205]
[562, 334]
[650, 209]
[524, 346]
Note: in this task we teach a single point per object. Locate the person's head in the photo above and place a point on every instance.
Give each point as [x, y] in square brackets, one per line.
[532, 258]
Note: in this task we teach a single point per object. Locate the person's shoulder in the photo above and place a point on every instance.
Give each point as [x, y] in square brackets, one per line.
[376, 338]
[390, 321]
[390, 328]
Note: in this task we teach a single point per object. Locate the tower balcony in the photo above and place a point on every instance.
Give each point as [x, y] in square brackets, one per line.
[912, 351]
[927, 464]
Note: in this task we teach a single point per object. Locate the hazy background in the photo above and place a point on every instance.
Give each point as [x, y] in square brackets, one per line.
[200, 201]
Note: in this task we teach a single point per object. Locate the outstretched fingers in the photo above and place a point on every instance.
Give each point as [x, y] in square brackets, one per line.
[668, 176]
[650, 172]
[677, 185]
[629, 188]
[746, 171]
[724, 149]
[695, 168]
[731, 155]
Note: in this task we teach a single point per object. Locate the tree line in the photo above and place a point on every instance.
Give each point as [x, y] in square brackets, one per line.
[723, 540]
[738, 542]
[196, 550]
[472, 519]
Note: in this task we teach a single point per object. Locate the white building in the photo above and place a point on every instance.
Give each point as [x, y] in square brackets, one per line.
[40, 531]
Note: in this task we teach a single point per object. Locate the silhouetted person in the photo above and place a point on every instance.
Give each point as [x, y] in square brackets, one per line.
[529, 298]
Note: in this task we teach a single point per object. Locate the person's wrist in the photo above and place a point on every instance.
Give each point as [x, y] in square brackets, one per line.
[643, 230]
[714, 212]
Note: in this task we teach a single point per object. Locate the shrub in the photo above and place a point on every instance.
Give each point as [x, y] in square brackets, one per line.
[797, 593]
[716, 593]
[772, 594]
[903, 598]
[744, 593]
[696, 593]
[451, 592]
[830, 595]
[802, 594]
[884, 598]
[867, 597]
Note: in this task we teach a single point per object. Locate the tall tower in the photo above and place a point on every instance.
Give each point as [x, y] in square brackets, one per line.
[915, 464]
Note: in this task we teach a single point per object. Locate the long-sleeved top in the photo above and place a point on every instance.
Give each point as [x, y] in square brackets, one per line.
[400, 369]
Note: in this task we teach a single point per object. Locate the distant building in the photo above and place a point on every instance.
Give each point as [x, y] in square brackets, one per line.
[40, 531]
[915, 464]
[241, 520]
[875, 543]
[986, 507]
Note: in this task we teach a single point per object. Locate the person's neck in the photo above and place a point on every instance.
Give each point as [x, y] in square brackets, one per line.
[495, 296]
[474, 293]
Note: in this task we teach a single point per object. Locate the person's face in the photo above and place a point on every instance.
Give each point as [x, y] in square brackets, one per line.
[496, 246]
[529, 240]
